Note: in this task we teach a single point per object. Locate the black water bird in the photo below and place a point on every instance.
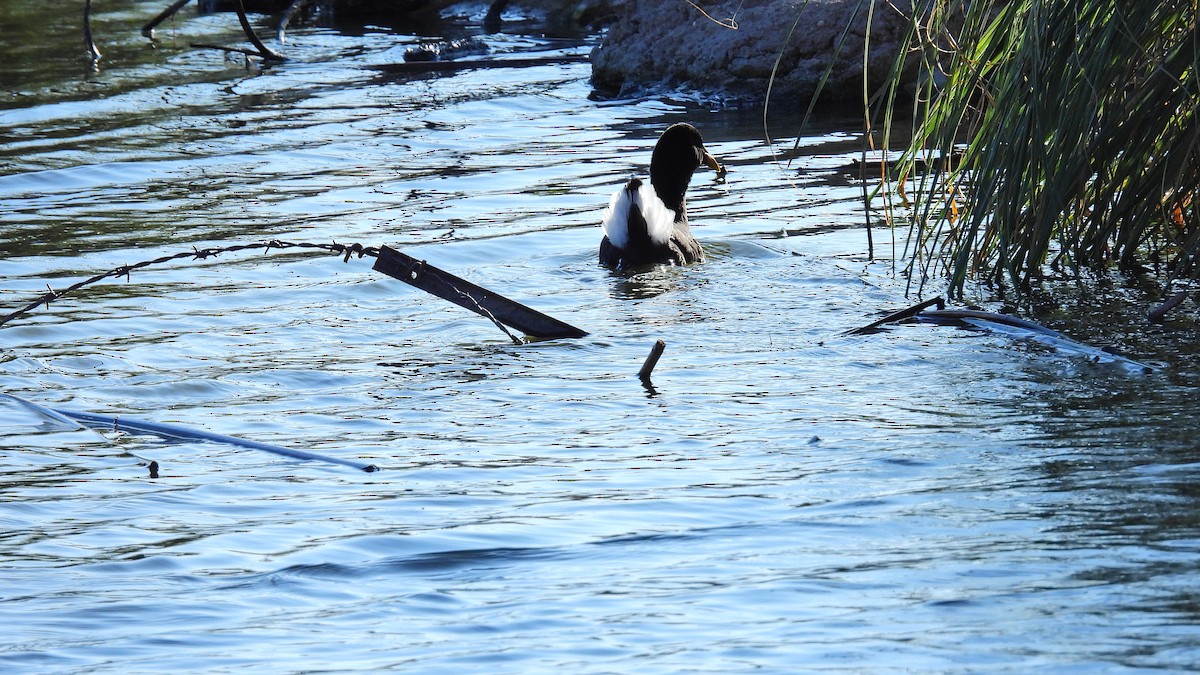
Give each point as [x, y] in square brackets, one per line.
[647, 224]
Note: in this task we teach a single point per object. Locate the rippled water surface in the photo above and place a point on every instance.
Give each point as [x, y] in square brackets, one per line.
[780, 497]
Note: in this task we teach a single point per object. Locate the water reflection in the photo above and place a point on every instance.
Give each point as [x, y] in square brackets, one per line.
[645, 283]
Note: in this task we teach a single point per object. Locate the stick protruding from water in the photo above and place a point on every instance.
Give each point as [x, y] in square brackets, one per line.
[656, 353]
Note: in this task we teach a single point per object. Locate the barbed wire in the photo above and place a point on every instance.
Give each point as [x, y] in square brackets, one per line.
[480, 309]
[345, 250]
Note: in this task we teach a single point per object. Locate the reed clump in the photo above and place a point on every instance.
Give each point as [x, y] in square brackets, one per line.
[1072, 125]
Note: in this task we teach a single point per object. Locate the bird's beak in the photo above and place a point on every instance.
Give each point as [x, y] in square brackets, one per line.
[712, 163]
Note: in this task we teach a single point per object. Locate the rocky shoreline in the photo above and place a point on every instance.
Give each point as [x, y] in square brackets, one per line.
[735, 50]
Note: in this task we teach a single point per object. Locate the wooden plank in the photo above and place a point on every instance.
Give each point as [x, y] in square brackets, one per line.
[465, 294]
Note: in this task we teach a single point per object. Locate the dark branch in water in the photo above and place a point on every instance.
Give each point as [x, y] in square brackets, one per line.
[93, 52]
[176, 431]
[973, 318]
[263, 50]
[148, 29]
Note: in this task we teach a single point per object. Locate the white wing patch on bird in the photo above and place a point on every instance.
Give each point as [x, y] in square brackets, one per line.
[660, 220]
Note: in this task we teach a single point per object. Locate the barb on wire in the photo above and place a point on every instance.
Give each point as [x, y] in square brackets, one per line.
[344, 250]
[475, 305]
[483, 311]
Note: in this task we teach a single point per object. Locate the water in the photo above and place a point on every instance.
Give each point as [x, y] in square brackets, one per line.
[781, 498]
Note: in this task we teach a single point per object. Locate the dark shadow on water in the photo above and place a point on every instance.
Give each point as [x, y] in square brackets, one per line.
[461, 559]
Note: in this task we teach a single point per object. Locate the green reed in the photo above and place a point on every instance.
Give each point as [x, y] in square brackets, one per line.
[1073, 129]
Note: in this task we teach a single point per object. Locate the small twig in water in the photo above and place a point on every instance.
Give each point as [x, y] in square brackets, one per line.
[425, 67]
[656, 353]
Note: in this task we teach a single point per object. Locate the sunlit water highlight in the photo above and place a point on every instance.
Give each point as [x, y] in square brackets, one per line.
[781, 497]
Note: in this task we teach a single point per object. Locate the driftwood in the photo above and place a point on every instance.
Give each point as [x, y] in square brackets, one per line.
[491, 22]
[921, 312]
[344, 250]
[494, 306]
[260, 50]
[223, 48]
[182, 433]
